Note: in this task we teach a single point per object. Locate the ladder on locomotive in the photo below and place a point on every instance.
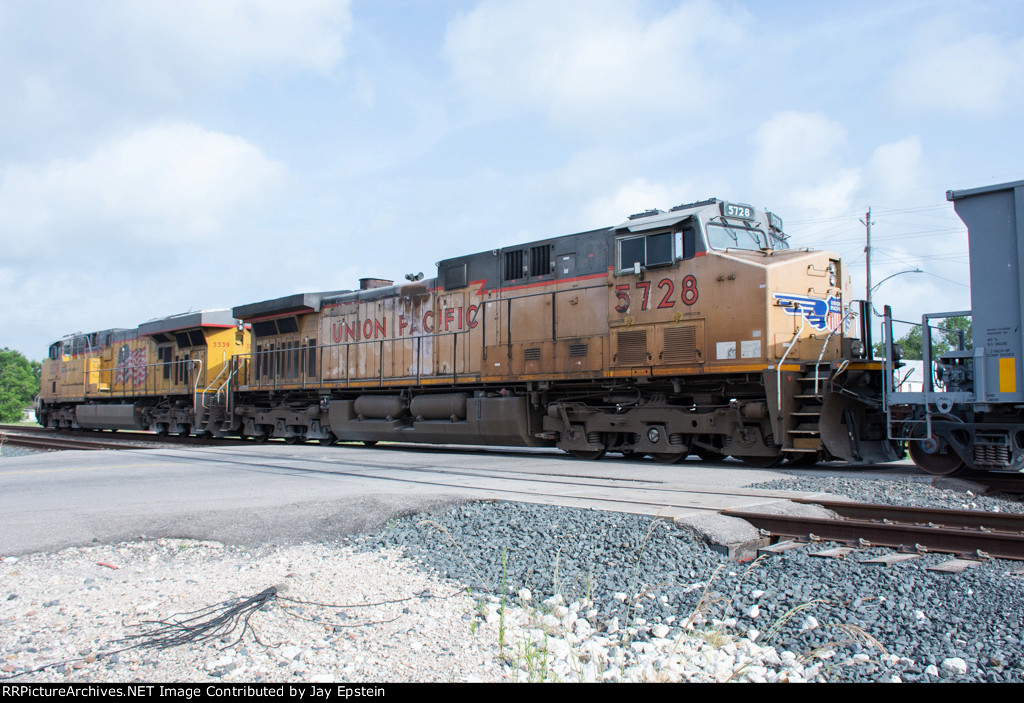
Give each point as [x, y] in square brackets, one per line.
[803, 425]
[213, 403]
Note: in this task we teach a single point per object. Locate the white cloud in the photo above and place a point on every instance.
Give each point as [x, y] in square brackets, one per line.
[638, 195]
[235, 36]
[977, 74]
[896, 167]
[800, 163]
[593, 61]
[167, 183]
[165, 50]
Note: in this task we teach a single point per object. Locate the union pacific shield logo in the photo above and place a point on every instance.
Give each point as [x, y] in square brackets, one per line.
[823, 314]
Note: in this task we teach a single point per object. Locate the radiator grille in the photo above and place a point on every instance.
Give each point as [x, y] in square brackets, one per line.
[532, 354]
[680, 344]
[577, 350]
[632, 347]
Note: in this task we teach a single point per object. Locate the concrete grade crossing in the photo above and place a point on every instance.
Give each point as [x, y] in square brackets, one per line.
[280, 494]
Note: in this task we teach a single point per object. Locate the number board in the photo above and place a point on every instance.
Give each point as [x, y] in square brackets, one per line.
[738, 211]
[775, 222]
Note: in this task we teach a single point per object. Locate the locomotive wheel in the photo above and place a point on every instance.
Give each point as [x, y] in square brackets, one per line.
[762, 462]
[666, 458]
[370, 442]
[592, 455]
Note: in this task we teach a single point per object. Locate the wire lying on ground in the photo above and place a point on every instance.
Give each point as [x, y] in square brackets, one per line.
[212, 622]
[221, 620]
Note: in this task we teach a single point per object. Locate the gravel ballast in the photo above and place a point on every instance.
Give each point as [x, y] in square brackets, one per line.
[554, 594]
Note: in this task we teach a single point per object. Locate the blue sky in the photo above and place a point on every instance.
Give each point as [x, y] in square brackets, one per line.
[157, 157]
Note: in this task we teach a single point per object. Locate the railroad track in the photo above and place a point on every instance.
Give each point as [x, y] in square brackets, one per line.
[48, 439]
[973, 534]
[35, 440]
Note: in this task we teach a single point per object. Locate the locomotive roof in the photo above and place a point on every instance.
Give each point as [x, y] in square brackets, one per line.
[298, 302]
[202, 318]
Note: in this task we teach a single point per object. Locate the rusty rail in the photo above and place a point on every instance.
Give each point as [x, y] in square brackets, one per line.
[950, 531]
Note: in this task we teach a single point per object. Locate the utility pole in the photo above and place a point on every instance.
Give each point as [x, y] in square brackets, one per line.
[867, 258]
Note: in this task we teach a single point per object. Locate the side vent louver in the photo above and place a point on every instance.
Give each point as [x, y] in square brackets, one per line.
[681, 345]
[632, 347]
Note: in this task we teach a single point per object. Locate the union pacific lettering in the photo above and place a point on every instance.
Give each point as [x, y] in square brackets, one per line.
[444, 320]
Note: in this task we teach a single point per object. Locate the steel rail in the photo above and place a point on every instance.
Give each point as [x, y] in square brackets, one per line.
[883, 534]
[1005, 522]
[46, 437]
[16, 440]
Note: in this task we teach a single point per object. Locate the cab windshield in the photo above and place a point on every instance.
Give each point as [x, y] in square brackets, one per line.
[724, 236]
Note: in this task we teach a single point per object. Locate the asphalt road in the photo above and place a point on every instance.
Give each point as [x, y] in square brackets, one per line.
[279, 494]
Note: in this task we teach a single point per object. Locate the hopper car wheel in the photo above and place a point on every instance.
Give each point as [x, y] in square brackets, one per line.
[370, 442]
[294, 439]
[666, 458]
[930, 458]
[328, 440]
[184, 433]
[592, 455]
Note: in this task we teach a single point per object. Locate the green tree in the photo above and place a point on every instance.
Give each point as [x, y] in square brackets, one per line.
[944, 338]
[19, 384]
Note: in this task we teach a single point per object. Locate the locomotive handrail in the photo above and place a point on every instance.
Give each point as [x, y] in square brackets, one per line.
[195, 388]
[268, 375]
[824, 346]
[134, 386]
[778, 370]
[207, 389]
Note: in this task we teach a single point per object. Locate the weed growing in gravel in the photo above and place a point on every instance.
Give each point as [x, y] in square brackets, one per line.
[555, 587]
[501, 617]
[534, 658]
[780, 622]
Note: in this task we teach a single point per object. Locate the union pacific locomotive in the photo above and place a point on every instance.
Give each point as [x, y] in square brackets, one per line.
[696, 330]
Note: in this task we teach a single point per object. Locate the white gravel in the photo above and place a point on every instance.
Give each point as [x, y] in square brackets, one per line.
[70, 606]
[68, 611]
